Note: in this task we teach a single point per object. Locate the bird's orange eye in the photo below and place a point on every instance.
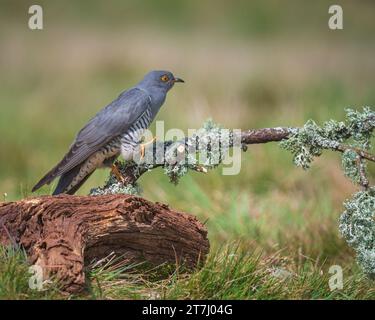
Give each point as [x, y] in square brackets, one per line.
[164, 78]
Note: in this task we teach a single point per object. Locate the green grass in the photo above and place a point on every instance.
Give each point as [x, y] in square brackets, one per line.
[234, 271]
[15, 275]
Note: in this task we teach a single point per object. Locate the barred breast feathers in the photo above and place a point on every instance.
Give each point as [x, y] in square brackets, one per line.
[131, 139]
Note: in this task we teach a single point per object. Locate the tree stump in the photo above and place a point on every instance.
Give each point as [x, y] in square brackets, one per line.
[63, 234]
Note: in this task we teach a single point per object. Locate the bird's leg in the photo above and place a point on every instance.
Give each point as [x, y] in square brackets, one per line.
[116, 172]
[143, 147]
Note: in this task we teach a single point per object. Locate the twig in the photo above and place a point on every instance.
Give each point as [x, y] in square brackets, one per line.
[362, 153]
[363, 181]
[265, 135]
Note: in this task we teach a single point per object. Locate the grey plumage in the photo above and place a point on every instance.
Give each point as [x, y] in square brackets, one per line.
[116, 128]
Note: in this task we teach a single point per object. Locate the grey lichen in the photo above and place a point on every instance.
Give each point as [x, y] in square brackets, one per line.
[357, 226]
[309, 141]
[210, 143]
[360, 126]
[305, 144]
[113, 186]
[116, 188]
[350, 167]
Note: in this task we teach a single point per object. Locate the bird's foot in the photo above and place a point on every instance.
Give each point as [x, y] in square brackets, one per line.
[143, 147]
[116, 172]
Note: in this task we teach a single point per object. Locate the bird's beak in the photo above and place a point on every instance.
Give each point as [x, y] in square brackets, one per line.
[178, 80]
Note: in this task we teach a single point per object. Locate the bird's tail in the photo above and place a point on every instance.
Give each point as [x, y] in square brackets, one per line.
[47, 179]
[56, 171]
[65, 182]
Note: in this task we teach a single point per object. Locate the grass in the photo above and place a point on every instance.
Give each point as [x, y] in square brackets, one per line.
[246, 66]
[15, 275]
[234, 271]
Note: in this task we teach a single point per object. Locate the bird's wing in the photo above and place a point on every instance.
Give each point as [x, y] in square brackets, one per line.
[112, 121]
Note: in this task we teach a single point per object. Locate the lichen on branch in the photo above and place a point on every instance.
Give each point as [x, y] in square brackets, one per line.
[202, 151]
[308, 142]
[357, 225]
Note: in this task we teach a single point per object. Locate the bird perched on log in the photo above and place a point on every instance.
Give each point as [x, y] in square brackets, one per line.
[115, 130]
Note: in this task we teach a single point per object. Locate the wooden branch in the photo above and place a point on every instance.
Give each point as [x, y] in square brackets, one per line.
[265, 135]
[64, 234]
[363, 180]
[362, 153]
[133, 171]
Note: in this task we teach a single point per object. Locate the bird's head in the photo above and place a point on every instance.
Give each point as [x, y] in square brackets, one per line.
[159, 79]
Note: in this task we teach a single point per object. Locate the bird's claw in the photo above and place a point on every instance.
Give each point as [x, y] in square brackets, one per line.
[116, 172]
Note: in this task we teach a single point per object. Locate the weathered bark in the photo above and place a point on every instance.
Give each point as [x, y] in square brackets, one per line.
[63, 234]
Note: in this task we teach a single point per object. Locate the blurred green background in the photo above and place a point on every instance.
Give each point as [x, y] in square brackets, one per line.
[246, 64]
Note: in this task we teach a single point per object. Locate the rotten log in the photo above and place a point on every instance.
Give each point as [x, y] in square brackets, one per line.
[64, 234]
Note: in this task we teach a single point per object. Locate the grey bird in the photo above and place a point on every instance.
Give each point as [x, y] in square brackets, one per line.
[114, 130]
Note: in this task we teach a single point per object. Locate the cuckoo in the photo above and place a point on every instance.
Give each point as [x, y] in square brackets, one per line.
[116, 129]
